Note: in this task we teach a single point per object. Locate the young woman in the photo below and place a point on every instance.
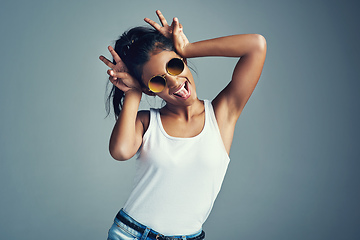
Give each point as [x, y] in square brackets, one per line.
[183, 148]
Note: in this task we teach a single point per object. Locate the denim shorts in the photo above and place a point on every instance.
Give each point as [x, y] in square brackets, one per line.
[126, 228]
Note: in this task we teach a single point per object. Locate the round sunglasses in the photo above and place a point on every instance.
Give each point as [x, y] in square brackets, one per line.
[174, 67]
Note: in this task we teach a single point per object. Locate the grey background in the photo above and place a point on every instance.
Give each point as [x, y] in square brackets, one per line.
[294, 171]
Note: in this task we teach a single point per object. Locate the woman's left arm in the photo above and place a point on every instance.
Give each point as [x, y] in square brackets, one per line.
[229, 103]
[251, 48]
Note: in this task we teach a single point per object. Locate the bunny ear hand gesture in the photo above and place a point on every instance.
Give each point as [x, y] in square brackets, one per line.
[118, 74]
[173, 31]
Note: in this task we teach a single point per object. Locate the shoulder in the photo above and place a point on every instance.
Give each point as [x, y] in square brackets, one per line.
[143, 117]
[220, 109]
[144, 113]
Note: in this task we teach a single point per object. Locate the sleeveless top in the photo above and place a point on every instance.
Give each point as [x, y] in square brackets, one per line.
[177, 179]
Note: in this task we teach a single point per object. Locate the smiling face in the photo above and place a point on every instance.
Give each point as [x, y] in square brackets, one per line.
[179, 89]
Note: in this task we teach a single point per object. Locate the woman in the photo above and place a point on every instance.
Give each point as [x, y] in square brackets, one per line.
[183, 147]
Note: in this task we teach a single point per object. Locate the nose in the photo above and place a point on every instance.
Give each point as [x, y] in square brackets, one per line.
[172, 81]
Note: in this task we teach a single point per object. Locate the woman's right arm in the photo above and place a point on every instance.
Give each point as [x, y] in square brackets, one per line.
[126, 137]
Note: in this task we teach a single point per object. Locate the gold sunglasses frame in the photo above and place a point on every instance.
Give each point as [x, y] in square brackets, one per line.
[163, 75]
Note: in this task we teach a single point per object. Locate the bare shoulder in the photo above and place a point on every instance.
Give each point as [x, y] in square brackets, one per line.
[221, 110]
[144, 117]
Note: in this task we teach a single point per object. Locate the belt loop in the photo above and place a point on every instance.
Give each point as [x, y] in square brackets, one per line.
[145, 234]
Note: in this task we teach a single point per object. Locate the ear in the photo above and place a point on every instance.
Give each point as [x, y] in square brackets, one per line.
[148, 92]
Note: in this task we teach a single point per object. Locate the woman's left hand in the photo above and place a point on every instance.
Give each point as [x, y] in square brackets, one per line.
[174, 31]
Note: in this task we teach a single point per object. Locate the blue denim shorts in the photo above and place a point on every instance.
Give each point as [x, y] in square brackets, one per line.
[126, 228]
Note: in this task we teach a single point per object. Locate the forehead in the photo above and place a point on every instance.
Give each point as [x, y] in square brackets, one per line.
[157, 64]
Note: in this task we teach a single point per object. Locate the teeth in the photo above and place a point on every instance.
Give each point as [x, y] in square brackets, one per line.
[182, 88]
[182, 92]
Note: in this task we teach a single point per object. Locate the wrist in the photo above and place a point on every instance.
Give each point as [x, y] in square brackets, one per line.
[185, 52]
[133, 93]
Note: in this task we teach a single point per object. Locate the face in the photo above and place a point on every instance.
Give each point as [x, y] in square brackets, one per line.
[179, 89]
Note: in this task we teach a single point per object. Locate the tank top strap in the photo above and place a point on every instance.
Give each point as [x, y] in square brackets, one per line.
[153, 115]
[210, 115]
[152, 121]
[212, 122]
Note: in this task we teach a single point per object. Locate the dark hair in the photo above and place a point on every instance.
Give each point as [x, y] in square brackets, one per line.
[135, 47]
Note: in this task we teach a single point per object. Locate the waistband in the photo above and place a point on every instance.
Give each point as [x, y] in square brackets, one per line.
[132, 223]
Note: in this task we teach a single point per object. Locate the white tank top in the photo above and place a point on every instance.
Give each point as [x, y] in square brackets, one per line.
[177, 179]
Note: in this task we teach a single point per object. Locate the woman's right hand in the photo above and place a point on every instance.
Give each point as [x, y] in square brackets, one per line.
[118, 74]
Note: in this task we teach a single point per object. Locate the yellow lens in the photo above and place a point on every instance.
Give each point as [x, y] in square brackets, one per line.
[175, 66]
[157, 84]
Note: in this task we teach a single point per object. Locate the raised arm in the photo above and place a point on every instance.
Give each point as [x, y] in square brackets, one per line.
[251, 49]
[126, 136]
[229, 103]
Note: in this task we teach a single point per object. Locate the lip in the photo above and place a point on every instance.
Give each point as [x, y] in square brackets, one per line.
[178, 88]
[186, 83]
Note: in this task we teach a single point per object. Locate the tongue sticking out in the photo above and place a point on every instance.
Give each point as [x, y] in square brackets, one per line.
[183, 92]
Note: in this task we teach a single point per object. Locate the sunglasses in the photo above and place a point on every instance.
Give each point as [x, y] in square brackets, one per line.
[174, 67]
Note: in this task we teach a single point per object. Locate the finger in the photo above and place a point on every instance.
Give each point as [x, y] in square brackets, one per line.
[107, 62]
[119, 83]
[111, 73]
[114, 54]
[176, 27]
[153, 24]
[161, 18]
[112, 79]
[115, 74]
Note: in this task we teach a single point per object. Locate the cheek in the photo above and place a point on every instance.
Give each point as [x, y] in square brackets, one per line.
[157, 84]
[143, 83]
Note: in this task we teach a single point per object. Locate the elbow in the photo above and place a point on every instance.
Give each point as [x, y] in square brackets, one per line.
[120, 154]
[260, 43]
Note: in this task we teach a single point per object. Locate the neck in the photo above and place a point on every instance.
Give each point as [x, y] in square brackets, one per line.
[184, 112]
